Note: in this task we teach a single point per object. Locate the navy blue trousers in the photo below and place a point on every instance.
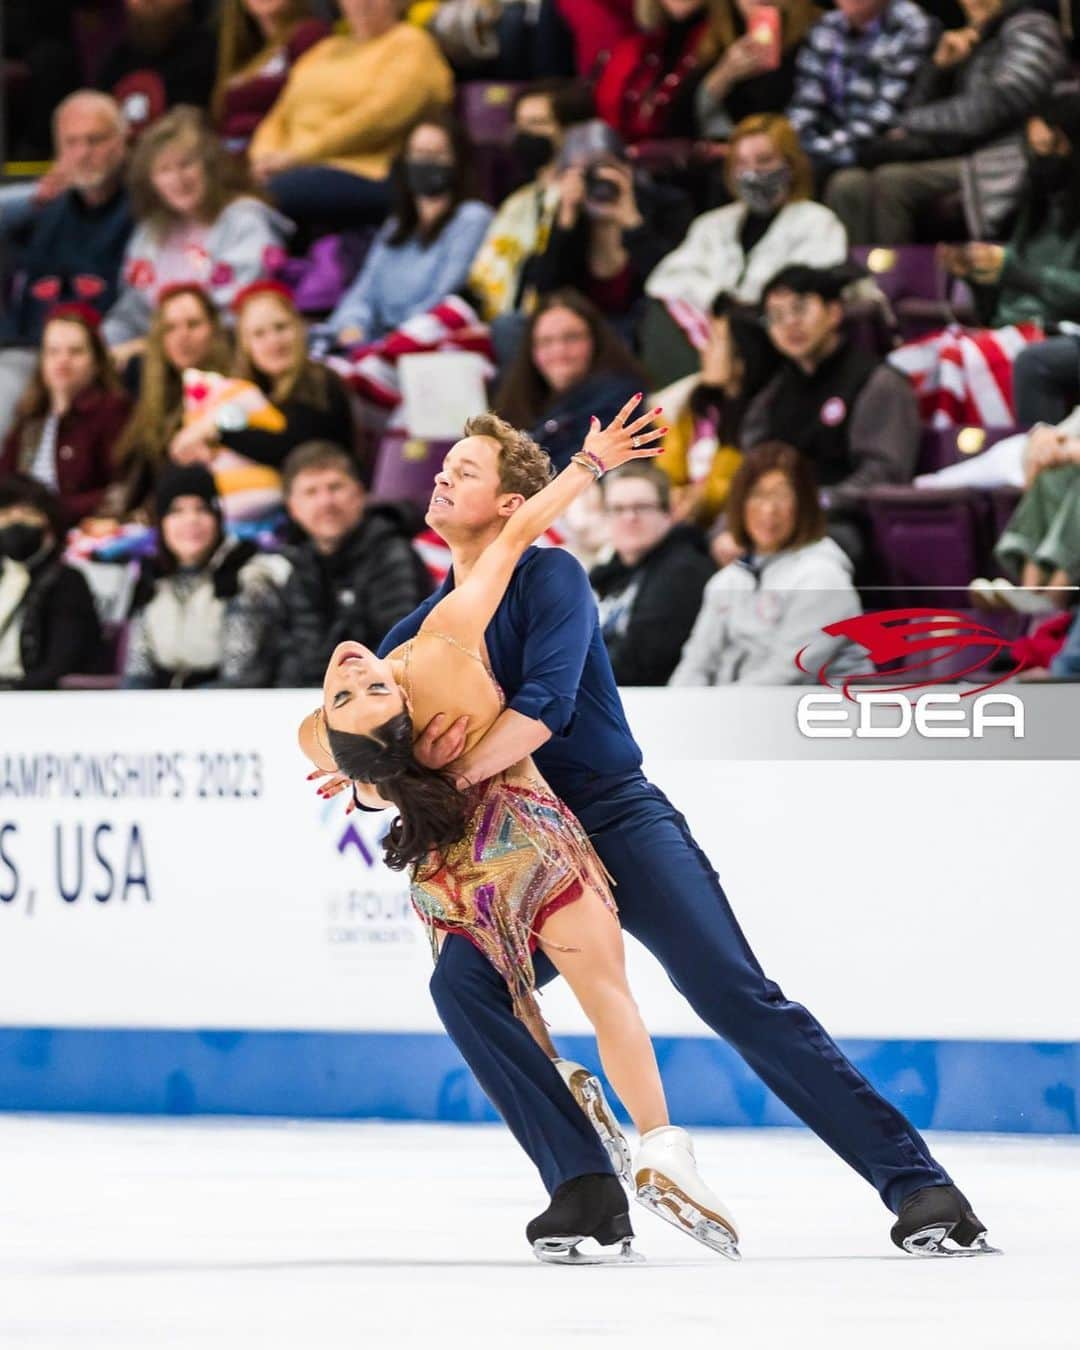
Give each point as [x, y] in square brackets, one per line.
[670, 898]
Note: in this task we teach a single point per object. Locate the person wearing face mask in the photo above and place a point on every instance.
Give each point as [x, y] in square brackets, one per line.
[48, 625]
[71, 414]
[736, 249]
[424, 251]
[1023, 289]
[500, 277]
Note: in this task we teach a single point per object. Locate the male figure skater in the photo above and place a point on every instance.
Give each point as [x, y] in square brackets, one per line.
[562, 706]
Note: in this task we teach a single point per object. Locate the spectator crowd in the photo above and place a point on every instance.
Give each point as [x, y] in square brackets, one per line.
[260, 227]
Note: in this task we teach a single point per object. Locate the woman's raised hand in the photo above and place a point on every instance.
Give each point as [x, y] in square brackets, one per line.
[623, 440]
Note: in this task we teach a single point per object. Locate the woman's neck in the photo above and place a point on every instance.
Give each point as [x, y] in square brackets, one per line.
[431, 209]
[367, 32]
[60, 400]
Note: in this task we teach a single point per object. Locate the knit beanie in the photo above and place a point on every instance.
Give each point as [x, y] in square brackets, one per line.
[190, 480]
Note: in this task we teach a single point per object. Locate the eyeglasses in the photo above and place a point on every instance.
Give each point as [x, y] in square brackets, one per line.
[777, 316]
[634, 509]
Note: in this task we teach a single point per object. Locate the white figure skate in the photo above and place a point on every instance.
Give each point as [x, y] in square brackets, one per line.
[667, 1181]
[589, 1095]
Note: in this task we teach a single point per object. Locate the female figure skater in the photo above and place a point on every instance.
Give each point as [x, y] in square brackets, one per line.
[506, 863]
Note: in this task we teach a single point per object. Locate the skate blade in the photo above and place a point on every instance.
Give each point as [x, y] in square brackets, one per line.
[590, 1097]
[566, 1251]
[659, 1194]
[935, 1241]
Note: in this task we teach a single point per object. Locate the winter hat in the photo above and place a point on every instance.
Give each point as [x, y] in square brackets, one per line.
[190, 480]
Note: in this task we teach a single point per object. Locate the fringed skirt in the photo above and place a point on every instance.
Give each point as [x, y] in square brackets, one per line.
[523, 856]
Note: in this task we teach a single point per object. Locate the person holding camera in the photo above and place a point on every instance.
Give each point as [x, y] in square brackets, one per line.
[612, 226]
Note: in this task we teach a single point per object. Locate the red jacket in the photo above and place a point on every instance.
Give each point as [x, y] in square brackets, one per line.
[84, 444]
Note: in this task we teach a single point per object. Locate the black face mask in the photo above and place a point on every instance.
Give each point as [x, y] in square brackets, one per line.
[532, 152]
[428, 179]
[20, 541]
[1049, 173]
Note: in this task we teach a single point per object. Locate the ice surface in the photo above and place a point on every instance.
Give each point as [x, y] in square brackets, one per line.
[147, 1234]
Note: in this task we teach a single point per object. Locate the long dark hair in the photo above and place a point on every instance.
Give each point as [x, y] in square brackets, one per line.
[524, 393]
[406, 217]
[432, 814]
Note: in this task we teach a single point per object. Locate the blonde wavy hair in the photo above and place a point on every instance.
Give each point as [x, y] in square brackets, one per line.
[188, 127]
[159, 411]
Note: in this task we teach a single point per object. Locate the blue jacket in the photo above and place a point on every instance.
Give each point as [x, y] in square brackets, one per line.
[546, 651]
[75, 252]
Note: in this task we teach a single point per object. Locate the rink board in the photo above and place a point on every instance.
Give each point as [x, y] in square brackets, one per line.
[185, 928]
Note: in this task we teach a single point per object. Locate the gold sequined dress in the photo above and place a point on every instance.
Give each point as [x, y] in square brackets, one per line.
[523, 856]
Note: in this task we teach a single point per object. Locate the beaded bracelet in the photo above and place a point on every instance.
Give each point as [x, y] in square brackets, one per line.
[589, 461]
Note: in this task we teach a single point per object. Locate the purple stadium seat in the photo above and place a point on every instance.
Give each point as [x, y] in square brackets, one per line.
[929, 539]
[950, 445]
[922, 294]
[1003, 502]
[486, 110]
[406, 467]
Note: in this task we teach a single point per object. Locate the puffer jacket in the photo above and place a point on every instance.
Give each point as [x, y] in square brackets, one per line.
[977, 109]
[358, 593]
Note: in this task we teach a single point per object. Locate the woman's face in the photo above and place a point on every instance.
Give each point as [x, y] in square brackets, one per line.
[430, 144]
[270, 334]
[187, 332]
[770, 512]
[67, 359]
[756, 154]
[360, 691]
[562, 348]
[21, 513]
[179, 178]
[190, 530]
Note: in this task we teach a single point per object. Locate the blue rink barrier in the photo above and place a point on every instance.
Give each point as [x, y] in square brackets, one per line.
[1016, 1087]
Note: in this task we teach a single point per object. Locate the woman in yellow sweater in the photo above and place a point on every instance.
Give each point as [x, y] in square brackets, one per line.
[323, 152]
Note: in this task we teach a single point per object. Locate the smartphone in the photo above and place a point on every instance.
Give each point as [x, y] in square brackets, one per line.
[763, 26]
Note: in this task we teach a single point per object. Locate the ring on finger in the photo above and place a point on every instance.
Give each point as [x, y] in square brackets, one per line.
[635, 442]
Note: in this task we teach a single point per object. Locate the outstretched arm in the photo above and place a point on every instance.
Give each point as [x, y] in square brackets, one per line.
[467, 610]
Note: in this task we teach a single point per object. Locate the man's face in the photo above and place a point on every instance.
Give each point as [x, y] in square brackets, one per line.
[468, 496]
[89, 147]
[637, 519]
[801, 325]
[327, 504]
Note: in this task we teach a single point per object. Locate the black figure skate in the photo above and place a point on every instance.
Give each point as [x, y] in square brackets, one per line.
[592, 1206]
[938, 1221]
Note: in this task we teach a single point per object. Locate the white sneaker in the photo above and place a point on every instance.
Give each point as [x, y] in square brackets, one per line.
[668, 1182]
[589, 1095]
[1021, 598]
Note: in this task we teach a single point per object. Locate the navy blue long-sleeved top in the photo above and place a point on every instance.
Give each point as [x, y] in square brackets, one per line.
[546, 651]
